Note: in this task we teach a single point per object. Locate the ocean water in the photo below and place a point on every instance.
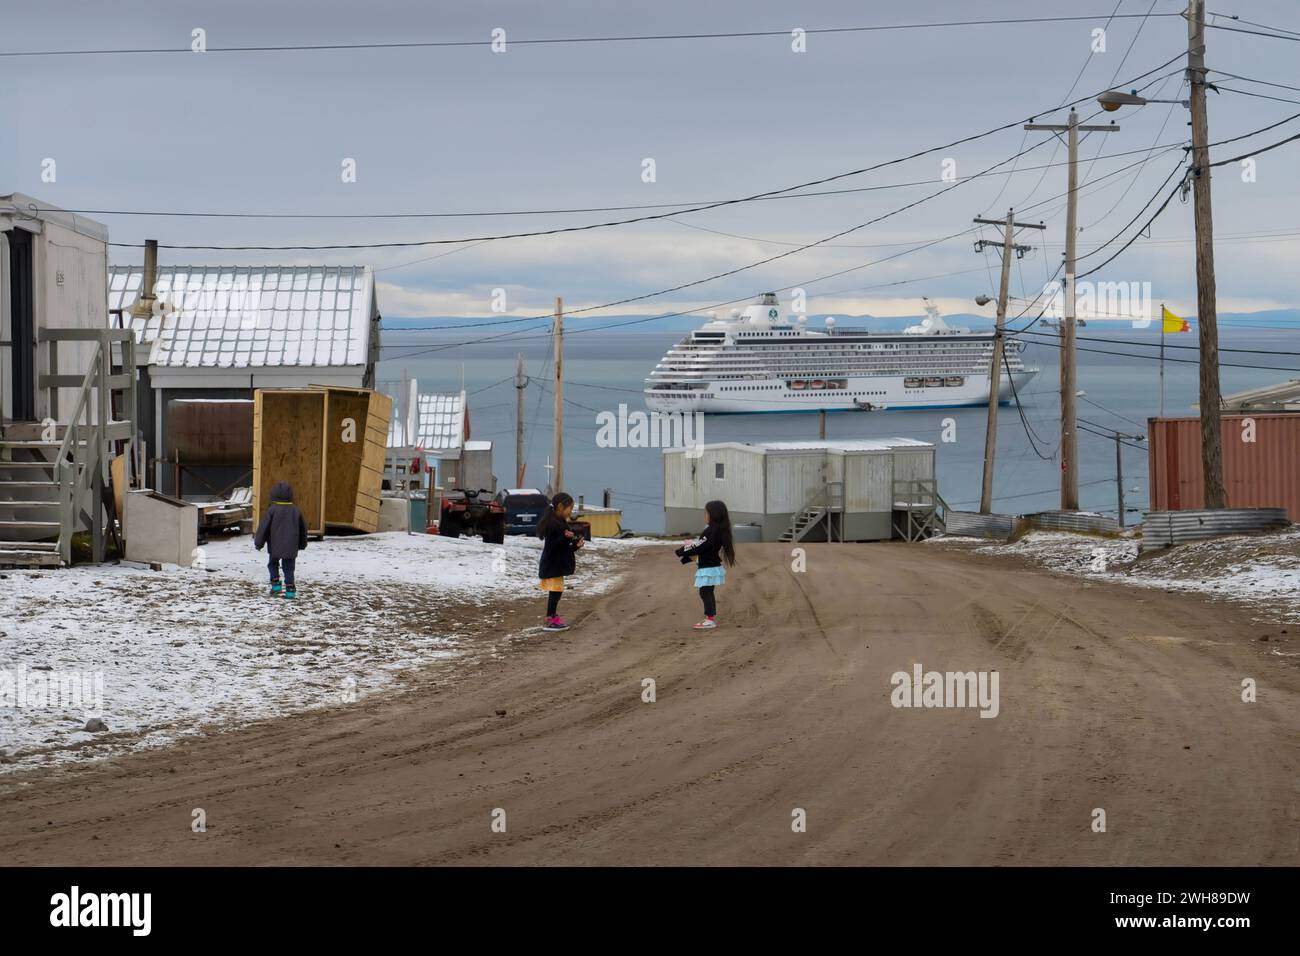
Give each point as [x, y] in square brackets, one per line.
[604, 369]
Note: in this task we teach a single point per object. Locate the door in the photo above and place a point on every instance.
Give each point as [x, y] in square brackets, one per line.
[22, 330]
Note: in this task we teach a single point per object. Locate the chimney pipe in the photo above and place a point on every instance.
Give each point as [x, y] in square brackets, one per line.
[144, 304]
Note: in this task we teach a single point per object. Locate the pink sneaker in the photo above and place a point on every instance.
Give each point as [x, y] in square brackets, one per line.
[707, 624]
[555, 624]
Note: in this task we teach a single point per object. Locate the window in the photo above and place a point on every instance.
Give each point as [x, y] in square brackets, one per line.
[718, 470]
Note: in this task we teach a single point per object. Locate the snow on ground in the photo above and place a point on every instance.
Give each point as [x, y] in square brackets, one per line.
[186, 649]
[1259, 572]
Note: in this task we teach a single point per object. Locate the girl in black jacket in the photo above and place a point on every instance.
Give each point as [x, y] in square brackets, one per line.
[558, 547]
[711, 548]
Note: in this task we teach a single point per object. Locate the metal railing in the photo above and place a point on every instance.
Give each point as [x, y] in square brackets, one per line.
[919, 502]
[829, 501]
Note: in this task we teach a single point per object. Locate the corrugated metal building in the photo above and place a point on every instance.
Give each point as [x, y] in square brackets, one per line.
[769, 483]
[1261, 462]
[219, 332]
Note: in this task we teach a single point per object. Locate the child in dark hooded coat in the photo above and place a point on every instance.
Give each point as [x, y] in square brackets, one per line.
[284, 533]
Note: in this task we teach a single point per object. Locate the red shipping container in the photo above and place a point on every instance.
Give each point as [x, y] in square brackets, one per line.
[1261, 462]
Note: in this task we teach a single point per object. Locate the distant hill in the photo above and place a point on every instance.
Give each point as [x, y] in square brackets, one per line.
[1273, 318]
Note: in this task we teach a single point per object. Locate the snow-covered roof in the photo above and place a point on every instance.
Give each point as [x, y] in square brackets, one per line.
[833, 445]
[252, 316]
[478, 445]
[16, 207]
[439, 426]
[521, 491]
[844, 444]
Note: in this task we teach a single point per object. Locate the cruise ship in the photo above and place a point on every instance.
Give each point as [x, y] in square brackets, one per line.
[756, 362]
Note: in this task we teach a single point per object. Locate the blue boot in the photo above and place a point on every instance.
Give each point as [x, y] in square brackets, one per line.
[275, 587]
[290, 592]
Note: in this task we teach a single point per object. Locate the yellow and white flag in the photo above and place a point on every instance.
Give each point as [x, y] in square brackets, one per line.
[1172, 323]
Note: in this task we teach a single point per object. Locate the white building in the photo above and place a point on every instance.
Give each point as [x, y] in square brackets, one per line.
[859, 486]
[52, 275]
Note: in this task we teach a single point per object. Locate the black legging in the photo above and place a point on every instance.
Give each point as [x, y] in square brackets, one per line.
[552, 602]
[710, 605]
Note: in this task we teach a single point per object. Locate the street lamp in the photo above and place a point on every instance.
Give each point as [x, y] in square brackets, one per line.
[1215, 495]
[1112, 100]
[982, 300]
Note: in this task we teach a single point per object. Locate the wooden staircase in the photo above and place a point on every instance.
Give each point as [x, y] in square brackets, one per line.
[29, 499]
[54, 479]
[825, 506]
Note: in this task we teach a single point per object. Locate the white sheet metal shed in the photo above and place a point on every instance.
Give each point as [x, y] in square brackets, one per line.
[437, 426]
[767, 483]
[255, 326]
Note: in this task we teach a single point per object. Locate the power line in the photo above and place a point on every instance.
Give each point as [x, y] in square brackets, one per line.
[1112, 258]
[752, 265]
[1262, 26]
[637, 219]
[1046, 338]
[1259, 96]
[541, 41]
[1248, 79]
[503, 213]
[1220, 26]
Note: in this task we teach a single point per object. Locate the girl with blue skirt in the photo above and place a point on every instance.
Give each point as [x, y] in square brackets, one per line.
[712, 547]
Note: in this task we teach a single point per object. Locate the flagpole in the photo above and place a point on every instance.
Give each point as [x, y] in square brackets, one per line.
[1162, 360]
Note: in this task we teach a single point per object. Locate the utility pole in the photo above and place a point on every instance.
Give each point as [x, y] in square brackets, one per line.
[995, 362]
[1119, 468]
[557, 476]
[519, 420]
[1206, 306]
[1069, 424]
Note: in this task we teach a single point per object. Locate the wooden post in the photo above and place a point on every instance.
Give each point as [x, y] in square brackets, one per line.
[557, 476]
[519, 420]
[1206, 305]
[1069, 424]
[995, 369]
[995, 362]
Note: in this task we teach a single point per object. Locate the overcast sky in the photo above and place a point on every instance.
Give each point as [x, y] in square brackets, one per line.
[558, 126]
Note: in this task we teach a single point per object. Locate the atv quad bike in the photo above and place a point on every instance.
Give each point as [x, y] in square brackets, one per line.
[466, 511]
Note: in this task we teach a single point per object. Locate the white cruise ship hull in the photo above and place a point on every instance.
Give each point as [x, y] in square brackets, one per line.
[880, 392]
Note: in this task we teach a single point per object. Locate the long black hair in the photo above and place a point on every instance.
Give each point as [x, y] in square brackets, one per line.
[720, 521]
[551, 521]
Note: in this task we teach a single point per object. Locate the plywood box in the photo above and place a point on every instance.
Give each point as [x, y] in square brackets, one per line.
[329, 443]
[289, 444]
[356, 438]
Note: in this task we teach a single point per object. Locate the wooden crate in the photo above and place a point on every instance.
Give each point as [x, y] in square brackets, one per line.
[354, 469]
[289, 445]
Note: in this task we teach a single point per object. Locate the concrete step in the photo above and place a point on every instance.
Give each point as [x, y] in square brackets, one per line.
[29, 546]
[24, 489]
[30, 559]
[51, 526]
[27, 504]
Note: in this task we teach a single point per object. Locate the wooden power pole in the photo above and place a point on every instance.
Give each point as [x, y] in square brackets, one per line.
[995, 363]
[519, 419]
[1206, 306]
[1069, 425]
[557, 475]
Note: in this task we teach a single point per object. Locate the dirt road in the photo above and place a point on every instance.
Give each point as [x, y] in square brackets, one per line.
[1110, 697]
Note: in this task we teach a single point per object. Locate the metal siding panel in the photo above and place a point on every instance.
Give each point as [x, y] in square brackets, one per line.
[868, 485]
[792, 478]
[1264, 473]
